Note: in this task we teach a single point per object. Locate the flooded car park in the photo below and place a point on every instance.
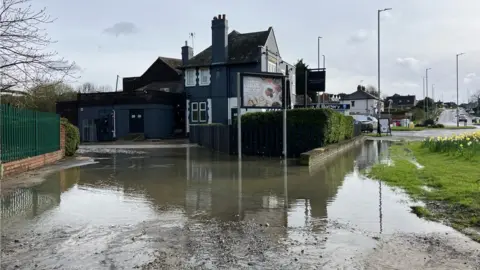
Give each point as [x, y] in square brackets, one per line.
[186, 207]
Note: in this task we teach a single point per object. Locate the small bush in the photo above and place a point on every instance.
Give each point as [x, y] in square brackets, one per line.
[438, 126]
[429, 122]
[72, 137]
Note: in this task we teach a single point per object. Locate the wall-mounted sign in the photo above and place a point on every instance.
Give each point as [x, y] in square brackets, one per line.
[260, 90]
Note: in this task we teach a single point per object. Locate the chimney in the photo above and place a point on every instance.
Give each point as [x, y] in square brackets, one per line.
[220, 39]
[187, 53]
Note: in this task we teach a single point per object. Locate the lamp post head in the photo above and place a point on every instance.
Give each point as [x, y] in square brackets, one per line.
[458, 54]
[385, 9]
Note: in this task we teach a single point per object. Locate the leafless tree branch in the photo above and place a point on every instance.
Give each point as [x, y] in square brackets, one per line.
[25, 58]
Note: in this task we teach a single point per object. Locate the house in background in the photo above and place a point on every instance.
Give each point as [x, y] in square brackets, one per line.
[151, 106]
[210, 77]
[401, 103]
[163, 75]
[362, 102]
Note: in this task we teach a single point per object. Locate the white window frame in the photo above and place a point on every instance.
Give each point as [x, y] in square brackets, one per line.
[200, 110]
[272, 67]
[194, 108]
[190, 74]
[204, 76]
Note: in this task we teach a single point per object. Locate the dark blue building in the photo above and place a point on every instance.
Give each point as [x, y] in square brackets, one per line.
[210, 77]
[151, 106]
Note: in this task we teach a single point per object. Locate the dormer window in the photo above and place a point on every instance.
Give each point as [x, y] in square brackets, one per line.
[190, 77]
[204, 76]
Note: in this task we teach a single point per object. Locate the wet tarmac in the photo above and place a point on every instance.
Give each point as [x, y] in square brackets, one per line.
[189, 208]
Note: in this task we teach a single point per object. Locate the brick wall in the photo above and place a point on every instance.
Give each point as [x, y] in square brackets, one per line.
[26, 164]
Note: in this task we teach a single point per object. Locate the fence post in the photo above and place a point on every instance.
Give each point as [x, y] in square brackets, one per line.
[36, 134]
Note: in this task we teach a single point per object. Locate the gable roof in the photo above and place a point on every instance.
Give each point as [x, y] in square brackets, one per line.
[360, 95]
[242, 48]
[174, 63]
[402, 100]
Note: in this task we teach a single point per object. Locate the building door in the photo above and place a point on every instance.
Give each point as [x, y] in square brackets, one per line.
[136, 121]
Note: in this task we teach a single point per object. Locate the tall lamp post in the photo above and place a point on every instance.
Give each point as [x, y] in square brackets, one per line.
[458, 54]
[426, 88]
[378, 63]
[318, 51]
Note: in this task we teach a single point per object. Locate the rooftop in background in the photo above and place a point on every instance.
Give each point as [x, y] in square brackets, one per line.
[242, 48]
[399, 100]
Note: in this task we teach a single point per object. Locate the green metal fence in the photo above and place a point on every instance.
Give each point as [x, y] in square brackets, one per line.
[26, 133]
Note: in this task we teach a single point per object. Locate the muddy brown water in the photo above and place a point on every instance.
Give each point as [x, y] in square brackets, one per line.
[188, 208]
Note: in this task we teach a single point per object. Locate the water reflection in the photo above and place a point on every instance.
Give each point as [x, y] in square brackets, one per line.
[203, 185]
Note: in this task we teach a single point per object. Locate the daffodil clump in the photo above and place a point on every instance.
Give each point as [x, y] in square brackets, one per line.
[466, 145]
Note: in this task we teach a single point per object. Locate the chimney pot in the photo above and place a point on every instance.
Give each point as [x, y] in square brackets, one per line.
[219, 16]
[186, 43]
[224, 16]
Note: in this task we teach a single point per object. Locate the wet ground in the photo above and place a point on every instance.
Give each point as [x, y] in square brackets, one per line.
[188, 208]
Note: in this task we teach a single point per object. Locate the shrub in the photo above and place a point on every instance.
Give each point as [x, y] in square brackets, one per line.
[429, 122]
[438, 126]
[72, 137]
[307, 128]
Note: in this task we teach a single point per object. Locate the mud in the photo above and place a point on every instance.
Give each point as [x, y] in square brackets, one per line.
[174, 208]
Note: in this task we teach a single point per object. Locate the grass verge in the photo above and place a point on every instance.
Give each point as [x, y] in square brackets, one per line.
[424, 128]
[449, 186]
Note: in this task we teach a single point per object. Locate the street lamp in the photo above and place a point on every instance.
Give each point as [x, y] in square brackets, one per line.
[458, 54]
[318, 51]
[378, 59]
[323, 55]
[426, 88]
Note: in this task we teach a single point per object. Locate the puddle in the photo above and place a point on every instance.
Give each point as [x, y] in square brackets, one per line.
[191, 208]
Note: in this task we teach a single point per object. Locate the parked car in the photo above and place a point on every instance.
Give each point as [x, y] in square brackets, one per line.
[367, 125]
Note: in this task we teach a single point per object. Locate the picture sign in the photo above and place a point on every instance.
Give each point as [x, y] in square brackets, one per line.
[385, 125]
[262, 91]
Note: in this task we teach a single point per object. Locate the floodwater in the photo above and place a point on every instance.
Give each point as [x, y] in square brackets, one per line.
[188, 208]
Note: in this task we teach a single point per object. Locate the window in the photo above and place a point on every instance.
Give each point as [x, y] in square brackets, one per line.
[190, 77]
[353, 103]
[194, 110]
[165, 89]
[204, 76]
[272, 67]
[203, 111]
[199, 112]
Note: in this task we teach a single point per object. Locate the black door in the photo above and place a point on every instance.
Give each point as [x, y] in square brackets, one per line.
[136, 121]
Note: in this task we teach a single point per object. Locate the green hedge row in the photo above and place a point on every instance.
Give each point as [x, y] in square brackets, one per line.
[317, 125]
[72, 137]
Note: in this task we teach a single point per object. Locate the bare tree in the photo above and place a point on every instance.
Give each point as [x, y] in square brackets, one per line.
[25, 58]
[89, 87]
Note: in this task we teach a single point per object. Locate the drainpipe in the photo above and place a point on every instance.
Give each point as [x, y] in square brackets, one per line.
[114, 131]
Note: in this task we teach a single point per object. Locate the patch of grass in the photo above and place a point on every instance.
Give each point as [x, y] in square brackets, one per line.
[408, 129]
[455, 196]
[460, 127]
[421, 211]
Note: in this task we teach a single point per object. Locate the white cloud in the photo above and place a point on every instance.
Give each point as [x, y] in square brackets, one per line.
[410, 63]
[469, 78]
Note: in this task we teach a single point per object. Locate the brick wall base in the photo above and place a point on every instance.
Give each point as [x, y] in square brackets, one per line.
[31, 163]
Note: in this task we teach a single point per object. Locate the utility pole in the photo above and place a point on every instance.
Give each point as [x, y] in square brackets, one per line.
[458, 54]
[318, 51]
[378, 62]
[426, 87]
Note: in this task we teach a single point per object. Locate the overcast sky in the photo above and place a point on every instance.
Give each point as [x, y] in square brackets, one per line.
[110, 37]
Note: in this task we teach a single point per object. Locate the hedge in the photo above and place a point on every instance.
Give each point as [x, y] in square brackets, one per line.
[72, 137]
[307, 128]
